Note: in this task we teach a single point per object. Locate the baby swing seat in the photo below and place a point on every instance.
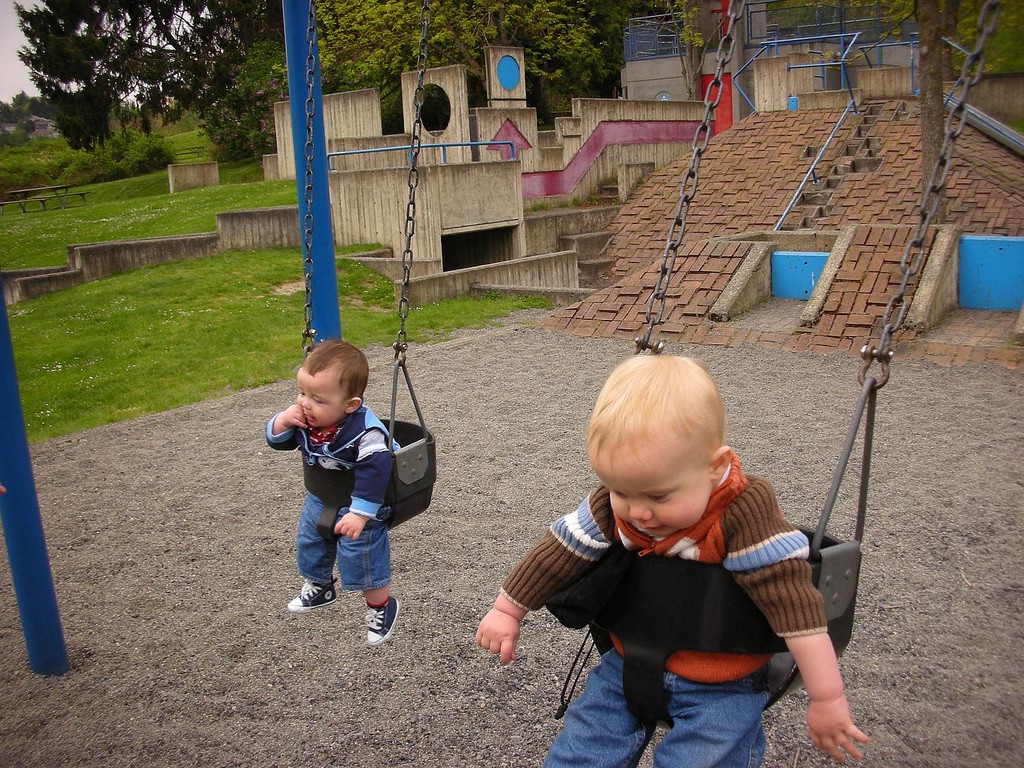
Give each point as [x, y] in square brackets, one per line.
[413, 473]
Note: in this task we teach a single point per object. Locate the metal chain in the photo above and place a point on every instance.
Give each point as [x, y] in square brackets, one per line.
[400, 344]
[688, 187]
[915, 253]
[309, 333]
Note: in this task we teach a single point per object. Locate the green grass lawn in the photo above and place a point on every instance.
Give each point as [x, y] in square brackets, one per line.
[131, 208]
[178, 333]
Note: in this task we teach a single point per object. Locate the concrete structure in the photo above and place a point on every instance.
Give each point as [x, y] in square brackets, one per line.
[479, 172]
[182, 176]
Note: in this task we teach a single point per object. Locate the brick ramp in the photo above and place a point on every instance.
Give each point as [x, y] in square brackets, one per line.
[747, 176]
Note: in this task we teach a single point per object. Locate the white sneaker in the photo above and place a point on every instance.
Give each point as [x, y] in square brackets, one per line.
[380, 622]
[313, 595]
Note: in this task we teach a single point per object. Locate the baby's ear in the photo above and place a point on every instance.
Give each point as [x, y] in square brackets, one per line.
[720, 461]
[352, 404]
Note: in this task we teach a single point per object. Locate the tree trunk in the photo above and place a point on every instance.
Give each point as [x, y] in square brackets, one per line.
[933, 114]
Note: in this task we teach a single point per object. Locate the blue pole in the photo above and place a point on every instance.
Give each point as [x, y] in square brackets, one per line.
[23, 527]
[315, 212]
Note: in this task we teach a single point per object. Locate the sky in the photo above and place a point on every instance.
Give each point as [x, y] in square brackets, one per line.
[13, 75]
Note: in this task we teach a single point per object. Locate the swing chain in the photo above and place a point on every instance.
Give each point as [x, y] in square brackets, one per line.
[309, 333]
[915, 251]
[400, 344]
[688, 187]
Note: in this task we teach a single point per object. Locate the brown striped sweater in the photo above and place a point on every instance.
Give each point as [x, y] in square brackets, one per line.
[743, 528]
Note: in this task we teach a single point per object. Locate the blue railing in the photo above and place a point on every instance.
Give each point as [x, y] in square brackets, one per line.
[844, 41]
[814, 164]
[770, 20]
[651, 37]
[443, 146]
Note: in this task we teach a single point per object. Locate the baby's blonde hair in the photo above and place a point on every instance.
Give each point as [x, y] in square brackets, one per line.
[657, 396]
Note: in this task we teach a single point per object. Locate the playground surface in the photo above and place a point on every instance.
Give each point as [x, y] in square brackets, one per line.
[171, 543]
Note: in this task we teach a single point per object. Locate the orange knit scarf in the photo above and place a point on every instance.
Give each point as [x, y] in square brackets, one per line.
[704, 538]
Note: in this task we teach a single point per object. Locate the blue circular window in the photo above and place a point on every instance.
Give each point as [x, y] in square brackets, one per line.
[508, 72]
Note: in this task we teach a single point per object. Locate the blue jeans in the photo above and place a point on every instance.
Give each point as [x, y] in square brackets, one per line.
[363, 564]
[713, 725]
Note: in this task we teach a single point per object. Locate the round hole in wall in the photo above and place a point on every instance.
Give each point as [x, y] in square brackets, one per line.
[437, 109]
[663, 96]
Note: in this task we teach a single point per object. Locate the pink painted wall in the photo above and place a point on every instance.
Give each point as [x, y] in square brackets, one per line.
[608, 133]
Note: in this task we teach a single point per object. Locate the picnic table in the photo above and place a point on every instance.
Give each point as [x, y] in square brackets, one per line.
[59, 193]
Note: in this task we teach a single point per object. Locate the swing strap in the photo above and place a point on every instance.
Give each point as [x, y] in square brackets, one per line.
[334, 489]
[655, 606]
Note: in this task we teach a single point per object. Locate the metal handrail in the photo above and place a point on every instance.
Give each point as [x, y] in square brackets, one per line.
[774, 45]
[814, 163]
[988, 125]
[841, 63]
[442, 145]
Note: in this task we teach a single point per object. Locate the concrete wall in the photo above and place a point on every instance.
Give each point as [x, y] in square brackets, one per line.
[592, 112]
[346, 115]
[1001, 96]
[370, 207]
[452, 80]
[936, 293]
[553, 269]
[516, 125]
[257, 228]
[646, 78]
[497, 94]
[775, 82]
[182, 176]
[542, 229]
[885, 83]
[97, 260]
[826, 99]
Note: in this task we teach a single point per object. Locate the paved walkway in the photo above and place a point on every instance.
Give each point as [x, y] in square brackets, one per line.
[967, 337]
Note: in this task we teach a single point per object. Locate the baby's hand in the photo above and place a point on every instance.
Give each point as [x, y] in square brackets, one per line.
[292, 416]
[350, 525]
[498, 633]
[832, 730]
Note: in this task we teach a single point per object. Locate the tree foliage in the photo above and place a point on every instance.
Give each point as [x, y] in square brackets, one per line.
[91, 57]
[573, 48]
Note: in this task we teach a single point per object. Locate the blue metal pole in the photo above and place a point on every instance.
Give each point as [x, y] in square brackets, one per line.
[23, 527]
[302, 54]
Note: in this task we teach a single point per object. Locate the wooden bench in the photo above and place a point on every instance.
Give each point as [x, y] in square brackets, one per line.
[24, 197]
[198, 151]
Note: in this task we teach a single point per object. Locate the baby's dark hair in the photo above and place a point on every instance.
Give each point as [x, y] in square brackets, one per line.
[348, 361]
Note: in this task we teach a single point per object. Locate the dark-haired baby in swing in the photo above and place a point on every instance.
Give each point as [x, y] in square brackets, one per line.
[670, 487]
[333, 428]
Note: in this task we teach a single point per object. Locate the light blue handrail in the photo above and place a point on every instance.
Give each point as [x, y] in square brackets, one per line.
[443, 146]
[841, 63]
[810, 171]
[988, 125]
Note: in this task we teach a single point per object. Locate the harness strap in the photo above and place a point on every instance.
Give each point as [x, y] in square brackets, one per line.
[334, 489]
[666, 604]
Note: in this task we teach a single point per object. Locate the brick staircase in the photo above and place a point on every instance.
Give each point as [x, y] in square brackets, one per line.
[860, 154]
[748, 176]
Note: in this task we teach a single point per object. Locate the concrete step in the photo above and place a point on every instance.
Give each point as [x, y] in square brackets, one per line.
[588, 245]
[815, 198]
[595, 274]
[866, 164]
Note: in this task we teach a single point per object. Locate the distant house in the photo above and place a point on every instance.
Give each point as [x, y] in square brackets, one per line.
[43, 127]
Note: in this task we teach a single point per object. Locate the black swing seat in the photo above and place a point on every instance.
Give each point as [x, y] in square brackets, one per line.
[651, 610]
[413, 473]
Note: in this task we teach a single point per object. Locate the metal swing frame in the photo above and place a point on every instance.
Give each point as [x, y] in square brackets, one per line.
[835, 563]
[413, 446]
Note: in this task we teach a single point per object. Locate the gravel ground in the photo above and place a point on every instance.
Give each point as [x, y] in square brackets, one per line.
[171, 544]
